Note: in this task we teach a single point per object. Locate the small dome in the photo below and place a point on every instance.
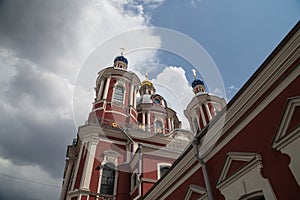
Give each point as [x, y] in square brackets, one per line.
[197, 82]
[121, 58]
[147, 82]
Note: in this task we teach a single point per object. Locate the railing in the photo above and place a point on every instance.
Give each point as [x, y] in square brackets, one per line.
[103, 122]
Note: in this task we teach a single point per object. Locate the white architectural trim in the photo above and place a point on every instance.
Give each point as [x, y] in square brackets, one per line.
[131, 96]
[77, 166]
[106, 87]
[246, 180]
[196, 189]
[88, 165]
[275, 92]
[109, 156]
[289, 142]
[67, 179]
[252, 195]
[133, 184]
[208, 112]
[159, 165]
[100, 90]
[282, 137]
[202, 116]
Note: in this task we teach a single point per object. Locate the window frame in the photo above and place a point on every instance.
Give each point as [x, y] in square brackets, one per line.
[161, 126]
[118, 96]
[110, 168]
[159, 166]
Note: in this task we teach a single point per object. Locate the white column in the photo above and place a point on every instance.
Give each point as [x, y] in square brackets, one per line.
[208, 112]
[89, 161]
[67, 179]
[106, 88]
[100, 179]
[143, 120]
[77, 165]
[134, 97]
[172, 123]
[148, 121]
[100, 90]
[131, 95]
[202, 116]
[169, 124]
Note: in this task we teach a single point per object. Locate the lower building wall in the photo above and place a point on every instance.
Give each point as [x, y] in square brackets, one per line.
[256, 137]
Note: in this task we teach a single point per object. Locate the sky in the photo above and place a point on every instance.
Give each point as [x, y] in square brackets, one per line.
[51, 51]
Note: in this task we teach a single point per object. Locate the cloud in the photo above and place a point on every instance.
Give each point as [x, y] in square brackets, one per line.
[17, 180]
[172, 84]
[43, 45]
[231, 91]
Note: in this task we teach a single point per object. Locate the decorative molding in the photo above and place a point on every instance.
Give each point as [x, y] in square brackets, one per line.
[251, 160]
[110, 156]
[288, 141]
[246, 179]
[196, 189]
[283, 137]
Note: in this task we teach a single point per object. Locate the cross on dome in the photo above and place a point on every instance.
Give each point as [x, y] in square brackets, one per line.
[194, 73]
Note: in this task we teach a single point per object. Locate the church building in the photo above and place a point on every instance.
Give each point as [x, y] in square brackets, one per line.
[132, 146]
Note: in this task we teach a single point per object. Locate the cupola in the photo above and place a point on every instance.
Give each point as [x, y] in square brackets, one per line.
[197, 84]
[120, 62]
[147, 87]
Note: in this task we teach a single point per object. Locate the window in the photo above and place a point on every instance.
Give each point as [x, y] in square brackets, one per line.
[159, 126]
[118, 94]
[162, 168]
[156, 101]
[108, 179]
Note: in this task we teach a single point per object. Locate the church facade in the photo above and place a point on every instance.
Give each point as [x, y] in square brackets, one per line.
[133, 147]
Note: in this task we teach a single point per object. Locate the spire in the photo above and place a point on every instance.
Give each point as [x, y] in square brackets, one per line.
[122, 51]
[146, 75]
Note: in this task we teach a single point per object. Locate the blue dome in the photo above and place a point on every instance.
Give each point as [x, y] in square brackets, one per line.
[121, 58]
[197, 82]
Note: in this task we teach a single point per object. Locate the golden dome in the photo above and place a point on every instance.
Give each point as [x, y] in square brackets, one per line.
[147, 82]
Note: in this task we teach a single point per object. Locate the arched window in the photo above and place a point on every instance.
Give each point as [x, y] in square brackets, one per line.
[118, 94]
[108, 179]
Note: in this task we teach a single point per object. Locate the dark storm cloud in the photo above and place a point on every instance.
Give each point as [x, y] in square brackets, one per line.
[32, 130]
[25, 142]
[39, 42]
[41, 88]
[39, 30]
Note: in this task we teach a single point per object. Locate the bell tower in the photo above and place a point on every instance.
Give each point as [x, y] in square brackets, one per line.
[116, 90]
[203, 106]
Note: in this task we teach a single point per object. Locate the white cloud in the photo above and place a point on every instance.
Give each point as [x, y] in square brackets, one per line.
[172, 84]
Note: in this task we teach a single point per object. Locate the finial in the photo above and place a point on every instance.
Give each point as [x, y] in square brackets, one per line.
[146, 75]
[194, 72]
[122, 51]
